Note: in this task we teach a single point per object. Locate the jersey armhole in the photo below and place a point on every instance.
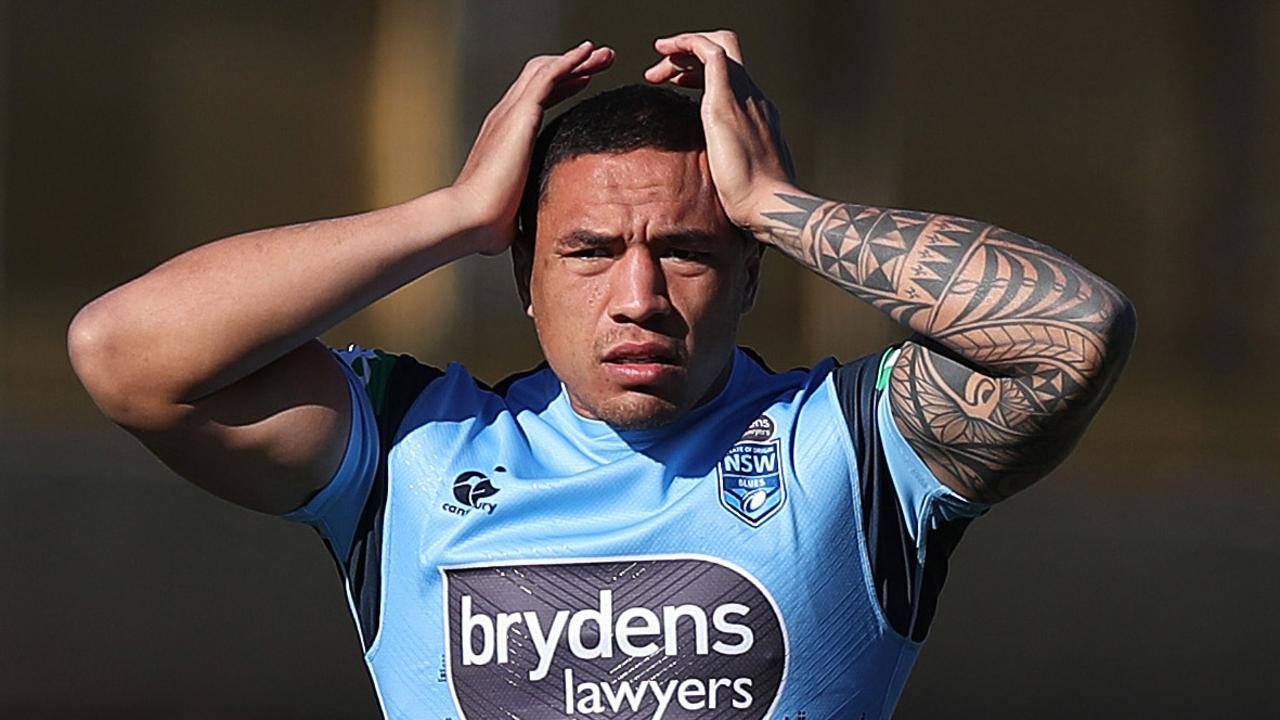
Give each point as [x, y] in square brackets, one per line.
[352, 512]
[909, 521]
[333, 511]
[859, 519]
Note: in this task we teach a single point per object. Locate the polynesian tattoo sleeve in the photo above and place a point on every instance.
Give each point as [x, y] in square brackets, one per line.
[1020, 343]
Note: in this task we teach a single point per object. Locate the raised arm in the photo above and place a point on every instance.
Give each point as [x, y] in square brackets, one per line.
[209, 359]
[1016, 344]
[1016, 347]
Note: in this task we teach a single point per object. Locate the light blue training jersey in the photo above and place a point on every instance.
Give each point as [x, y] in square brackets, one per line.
[776, 552]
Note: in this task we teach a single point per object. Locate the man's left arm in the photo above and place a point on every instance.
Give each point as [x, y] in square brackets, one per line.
[1016, 344]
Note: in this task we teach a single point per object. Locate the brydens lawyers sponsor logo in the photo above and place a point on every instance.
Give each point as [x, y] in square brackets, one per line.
[671, 637]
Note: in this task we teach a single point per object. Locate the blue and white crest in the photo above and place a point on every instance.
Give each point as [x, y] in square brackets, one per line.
[751, 484]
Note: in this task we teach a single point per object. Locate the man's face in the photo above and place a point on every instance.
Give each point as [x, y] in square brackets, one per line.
[637, 284]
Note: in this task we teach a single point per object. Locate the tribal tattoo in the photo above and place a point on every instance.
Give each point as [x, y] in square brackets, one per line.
[1020, 343]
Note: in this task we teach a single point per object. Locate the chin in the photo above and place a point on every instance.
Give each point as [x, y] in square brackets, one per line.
[637, 411]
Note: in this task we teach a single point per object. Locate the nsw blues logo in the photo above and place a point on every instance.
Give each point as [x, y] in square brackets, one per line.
[751, 480]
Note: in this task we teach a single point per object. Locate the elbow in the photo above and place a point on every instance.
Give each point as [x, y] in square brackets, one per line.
[86, 347]
[106, 367]
[89, 347]
[1116, 336]
[1123, 329]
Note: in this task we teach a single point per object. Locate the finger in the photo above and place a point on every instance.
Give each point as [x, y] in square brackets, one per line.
[565, 63]
[574, 65]
[689, 80]
[566, 88]
[578, 77]
[714, 58]
[542, 70]
[726, 39]
[669, 67]
[600, 59]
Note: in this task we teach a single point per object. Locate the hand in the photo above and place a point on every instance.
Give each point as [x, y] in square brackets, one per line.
[748, 156]
[492, 180]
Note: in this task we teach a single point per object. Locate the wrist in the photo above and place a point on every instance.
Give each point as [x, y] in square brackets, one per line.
[457, 216]
[763, 201]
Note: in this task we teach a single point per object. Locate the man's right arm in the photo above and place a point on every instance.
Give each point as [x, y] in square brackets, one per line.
[209, 359]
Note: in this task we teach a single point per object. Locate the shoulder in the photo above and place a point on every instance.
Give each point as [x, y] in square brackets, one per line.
[399, 389]
[798, 382]
[454, 395]
[391, 381]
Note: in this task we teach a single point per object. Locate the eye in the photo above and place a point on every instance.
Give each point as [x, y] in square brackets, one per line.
[687, 255]
[590, 253]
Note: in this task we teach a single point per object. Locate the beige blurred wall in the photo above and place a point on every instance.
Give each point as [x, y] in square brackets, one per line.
[411, 145]
[1138, 137]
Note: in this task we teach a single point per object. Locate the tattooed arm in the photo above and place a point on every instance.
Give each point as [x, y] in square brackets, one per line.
[1016, 344]
[1016, 347]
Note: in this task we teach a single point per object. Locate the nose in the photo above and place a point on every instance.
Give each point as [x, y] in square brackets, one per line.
[639, 287]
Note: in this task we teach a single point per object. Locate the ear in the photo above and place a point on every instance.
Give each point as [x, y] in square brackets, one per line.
[755, 255]
[522, 267]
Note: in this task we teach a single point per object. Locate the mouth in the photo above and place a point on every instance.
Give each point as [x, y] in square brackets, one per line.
[644, 353]
[643, 363]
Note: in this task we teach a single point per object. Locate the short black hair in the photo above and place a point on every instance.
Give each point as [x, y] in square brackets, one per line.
[615, 121]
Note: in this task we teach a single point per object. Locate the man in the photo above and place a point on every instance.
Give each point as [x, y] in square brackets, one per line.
[652, 524]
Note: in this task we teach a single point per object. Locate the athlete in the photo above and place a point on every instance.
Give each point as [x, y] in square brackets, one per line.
[652, 524]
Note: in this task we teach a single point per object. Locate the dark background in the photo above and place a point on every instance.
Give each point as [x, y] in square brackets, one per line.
[1140, 580]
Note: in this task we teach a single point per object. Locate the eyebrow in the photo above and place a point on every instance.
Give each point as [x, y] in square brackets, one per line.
[591, 239]
[688, 238]
[585, 239]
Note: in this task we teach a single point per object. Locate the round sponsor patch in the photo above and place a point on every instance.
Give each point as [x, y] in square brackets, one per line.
[672, 637]
[760, 429]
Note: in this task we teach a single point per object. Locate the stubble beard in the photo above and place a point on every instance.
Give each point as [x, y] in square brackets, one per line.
[636, 411]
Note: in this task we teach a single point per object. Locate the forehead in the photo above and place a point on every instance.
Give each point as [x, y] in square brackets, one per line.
[625, 192]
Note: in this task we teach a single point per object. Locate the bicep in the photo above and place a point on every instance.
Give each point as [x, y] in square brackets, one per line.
[268, 441]
[985, 436]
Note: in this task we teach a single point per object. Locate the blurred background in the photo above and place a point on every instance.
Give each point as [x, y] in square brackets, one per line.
[1140, 580]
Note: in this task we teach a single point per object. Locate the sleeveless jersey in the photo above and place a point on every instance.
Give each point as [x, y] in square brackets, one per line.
[776, 552]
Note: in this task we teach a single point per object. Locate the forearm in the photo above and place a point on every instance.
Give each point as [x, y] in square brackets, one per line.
[221, 311]
[1021, 343]
[1002, 302]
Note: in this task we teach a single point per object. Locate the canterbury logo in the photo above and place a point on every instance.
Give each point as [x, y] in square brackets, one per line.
[472, 489]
